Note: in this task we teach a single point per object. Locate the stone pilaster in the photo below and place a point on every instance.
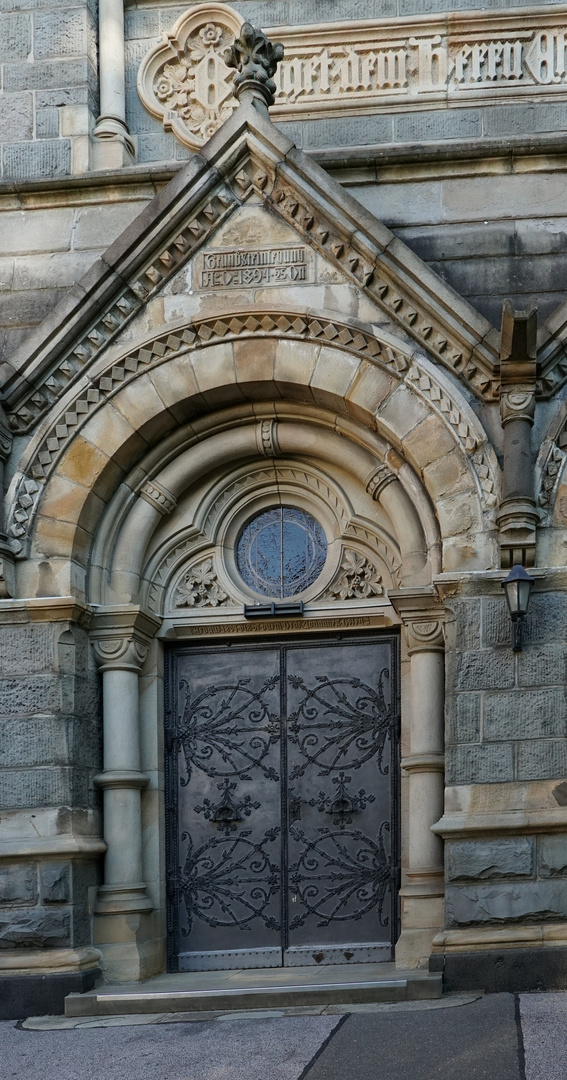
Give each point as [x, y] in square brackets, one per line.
[113, 145]
[121, 638]
[422, 885]
[518, 514]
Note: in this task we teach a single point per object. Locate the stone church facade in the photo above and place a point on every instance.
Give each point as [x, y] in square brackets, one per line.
[283, 392]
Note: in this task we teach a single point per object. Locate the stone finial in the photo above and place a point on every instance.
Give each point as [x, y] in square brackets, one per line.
[255, 59]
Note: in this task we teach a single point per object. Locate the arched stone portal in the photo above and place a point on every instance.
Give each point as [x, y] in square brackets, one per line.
[153, 487]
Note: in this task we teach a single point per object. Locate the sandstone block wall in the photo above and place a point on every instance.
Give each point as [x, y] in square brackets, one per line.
[50, 749]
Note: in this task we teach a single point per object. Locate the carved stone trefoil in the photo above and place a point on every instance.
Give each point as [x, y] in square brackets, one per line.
[200, 587]
[358, 579]
[185, 80]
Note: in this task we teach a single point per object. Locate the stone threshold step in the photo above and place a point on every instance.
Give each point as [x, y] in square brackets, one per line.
[321, 990]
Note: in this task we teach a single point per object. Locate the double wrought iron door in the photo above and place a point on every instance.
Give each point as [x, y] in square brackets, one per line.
[281, 793]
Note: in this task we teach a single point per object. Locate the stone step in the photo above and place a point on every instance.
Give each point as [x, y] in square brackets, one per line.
[258, 989]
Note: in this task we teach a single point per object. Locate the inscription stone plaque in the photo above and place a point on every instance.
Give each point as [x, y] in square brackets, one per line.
[239, 268]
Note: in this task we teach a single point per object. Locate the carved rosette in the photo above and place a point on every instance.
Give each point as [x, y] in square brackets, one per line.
[185, 80]
[357, 579]
[199, 587]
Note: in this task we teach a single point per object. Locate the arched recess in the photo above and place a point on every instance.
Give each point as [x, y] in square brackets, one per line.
[156, 476]
[146, 412]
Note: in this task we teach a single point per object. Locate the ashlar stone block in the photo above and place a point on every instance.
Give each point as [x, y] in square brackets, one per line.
[525, 714]
[487, 764]
[484, 670]
[528, 900]
[35, 928]
[55, 883]
[498, 858]
[18, 884]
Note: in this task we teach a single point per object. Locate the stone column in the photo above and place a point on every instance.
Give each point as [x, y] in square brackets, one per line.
[121, 638]
[422, 886]
[113, 146]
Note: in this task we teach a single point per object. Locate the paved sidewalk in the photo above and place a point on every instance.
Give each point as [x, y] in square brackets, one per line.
[497, 1037]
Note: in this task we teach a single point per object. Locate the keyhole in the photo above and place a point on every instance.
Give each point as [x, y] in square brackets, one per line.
[294, 898]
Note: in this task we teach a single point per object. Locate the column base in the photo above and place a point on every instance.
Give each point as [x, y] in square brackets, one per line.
[113, 147]
[130, 948]
[116, 899]
[422, 900]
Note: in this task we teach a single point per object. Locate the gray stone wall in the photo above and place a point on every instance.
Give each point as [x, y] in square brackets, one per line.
[50, 750]
[506, 720]
[49, 87]
[506, 713]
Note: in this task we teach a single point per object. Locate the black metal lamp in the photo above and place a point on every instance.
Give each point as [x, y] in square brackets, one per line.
[518, 586]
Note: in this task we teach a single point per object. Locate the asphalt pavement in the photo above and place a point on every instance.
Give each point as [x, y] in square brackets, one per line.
[460, 1037]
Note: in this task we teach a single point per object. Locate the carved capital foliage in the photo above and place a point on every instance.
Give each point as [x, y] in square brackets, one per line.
[422, 615]
[255, 58]
[424, 635]
[120, 653]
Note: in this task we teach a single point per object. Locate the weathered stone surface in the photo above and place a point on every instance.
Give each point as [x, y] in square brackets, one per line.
[463, 718]
[34, 742]
[498, 858]
[29, 695]
[50, 158]
[542, 759]
[438, 125]
[511, 902]
[525, 714]
[543, 666]
[47, 786]
[16, 116]
[552, 856]
[463, 621]
[15, 36]
[18, 884]
[60, 33]
[485, 669]
[26, 649]
[55, 883]
[479, 764]
[34, 928]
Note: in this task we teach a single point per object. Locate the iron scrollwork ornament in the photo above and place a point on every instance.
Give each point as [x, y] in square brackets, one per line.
[340, 875]
[332, 729]
[230, 882]
[227, 813]
[342, 804]
[227, 730]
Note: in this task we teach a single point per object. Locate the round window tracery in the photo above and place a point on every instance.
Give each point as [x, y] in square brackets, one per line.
[281, 552]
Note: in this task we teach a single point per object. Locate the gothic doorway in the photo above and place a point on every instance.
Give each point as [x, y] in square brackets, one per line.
[281, 796]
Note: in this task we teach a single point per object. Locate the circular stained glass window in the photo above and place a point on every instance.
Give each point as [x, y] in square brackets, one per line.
[281, 552]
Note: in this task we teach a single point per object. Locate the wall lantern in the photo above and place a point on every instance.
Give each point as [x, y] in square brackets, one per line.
[518, 586]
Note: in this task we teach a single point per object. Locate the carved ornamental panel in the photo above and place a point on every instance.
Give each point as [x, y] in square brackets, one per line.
[186, 82]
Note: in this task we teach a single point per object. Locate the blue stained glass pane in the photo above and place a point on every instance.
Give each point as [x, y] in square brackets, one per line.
[281, 552]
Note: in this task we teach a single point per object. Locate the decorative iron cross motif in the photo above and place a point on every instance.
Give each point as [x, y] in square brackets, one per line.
[343, 803]
[227, 813]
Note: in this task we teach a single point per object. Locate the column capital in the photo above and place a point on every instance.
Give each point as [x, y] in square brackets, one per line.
[422, 613]
[121, 637]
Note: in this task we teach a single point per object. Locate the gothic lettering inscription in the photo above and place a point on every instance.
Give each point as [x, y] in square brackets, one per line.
[185, 81]
[241, 268]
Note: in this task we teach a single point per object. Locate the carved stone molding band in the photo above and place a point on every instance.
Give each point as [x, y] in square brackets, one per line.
[159, 497]
[378, 480]
[267, 438]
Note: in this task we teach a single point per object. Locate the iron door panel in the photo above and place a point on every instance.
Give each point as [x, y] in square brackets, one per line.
[226, 755]
[341, 747]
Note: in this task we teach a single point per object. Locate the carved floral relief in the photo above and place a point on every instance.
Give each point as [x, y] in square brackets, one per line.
[357, 579]
[199, 587]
